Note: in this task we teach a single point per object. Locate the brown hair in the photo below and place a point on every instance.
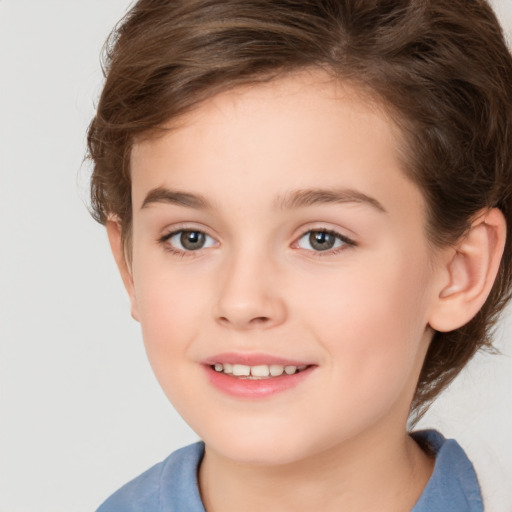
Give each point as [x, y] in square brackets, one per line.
[441, 66]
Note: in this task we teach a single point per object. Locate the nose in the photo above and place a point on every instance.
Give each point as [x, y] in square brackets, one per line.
[249, 295]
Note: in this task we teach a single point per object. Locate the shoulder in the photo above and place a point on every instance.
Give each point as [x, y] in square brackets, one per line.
[453, 485]
[170, 485]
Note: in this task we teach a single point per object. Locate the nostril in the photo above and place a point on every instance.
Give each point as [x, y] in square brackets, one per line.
[259, 320]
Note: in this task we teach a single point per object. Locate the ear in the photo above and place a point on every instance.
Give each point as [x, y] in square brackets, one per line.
[118, 250]
[469, 272]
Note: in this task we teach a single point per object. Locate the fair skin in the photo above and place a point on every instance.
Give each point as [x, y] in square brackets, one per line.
[230, 263]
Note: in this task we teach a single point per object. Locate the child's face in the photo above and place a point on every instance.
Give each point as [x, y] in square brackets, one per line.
[275, 226]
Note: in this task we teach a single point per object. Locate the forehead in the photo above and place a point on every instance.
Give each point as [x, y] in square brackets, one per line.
[304, 130]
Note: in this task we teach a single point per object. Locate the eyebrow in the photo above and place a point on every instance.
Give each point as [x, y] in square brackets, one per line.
[294, 199]
[164, 195]
[308, 197]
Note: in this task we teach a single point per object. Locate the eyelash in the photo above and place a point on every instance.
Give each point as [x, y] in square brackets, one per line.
[346, 243]
[163, 240]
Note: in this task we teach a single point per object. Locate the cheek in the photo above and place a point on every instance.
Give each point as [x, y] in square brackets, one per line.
[370, 322]
[170, 310]
[169, 307]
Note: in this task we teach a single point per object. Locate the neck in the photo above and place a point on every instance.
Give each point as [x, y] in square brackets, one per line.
[364, 474]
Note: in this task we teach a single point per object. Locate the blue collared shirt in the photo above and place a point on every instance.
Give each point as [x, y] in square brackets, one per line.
[171, 485]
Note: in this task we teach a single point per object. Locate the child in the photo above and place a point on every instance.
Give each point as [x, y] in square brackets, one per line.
[310, 204]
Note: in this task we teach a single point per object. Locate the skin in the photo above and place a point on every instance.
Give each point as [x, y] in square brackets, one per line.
[361, 313]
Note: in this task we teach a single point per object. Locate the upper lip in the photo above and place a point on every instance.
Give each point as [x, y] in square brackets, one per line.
[253, 359]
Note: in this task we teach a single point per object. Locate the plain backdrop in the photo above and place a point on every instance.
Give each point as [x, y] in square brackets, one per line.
[80, 411]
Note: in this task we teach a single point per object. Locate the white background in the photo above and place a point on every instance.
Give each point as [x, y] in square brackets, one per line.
[80, 412]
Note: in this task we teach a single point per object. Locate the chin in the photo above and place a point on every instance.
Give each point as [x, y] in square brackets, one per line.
[262, 447]
[259, 454]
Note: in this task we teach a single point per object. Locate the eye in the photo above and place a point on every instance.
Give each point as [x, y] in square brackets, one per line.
[189, 240]
[323, 240]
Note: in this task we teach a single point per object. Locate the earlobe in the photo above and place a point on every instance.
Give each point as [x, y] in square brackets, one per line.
[470, 272]
[118, 250]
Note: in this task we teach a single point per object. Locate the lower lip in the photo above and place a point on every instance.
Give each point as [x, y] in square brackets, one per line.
[255, 388]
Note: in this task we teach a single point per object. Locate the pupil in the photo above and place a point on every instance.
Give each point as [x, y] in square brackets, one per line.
[192, 240]
[321, 241]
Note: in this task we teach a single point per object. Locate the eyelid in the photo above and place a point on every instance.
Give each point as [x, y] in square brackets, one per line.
[347, 242]
[175, 230]
[171, 229]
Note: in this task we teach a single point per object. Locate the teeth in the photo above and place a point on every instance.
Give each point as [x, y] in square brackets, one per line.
[276, 370]
[240, 370]
[258, 371]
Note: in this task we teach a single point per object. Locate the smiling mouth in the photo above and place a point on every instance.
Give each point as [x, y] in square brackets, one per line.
[257, 372]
